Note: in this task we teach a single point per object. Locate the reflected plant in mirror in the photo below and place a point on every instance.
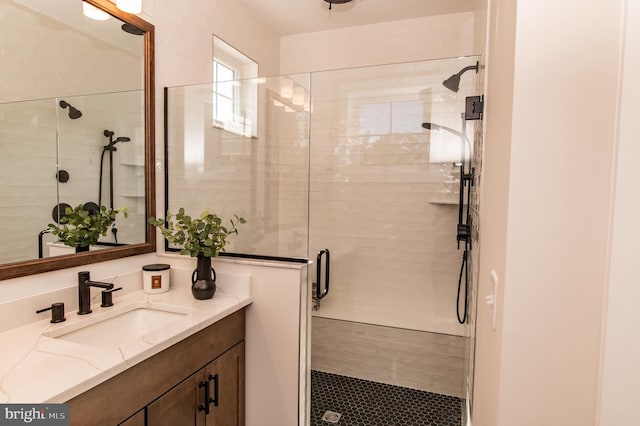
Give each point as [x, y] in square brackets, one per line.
[80, 228]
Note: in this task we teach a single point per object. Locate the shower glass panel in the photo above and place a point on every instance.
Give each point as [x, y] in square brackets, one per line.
[384, 201]
[256, 170]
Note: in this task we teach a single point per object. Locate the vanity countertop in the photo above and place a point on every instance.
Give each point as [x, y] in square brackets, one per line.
[35, 368]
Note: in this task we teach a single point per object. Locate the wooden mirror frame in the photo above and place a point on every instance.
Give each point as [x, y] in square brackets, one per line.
[36, 266]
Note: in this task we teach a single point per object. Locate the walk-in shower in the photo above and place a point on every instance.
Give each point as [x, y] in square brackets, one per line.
[341, 164]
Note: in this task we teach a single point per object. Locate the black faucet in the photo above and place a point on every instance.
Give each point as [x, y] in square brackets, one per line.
[84, 291]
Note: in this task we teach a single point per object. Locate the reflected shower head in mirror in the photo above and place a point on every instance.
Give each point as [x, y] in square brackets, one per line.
[453, 82]
[73, 112]
[131, 29]
[110, 147]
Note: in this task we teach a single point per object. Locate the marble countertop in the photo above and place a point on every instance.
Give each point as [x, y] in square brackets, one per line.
[37, 368]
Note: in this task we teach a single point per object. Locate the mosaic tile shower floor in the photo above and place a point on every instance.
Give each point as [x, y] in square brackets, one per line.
[366, 403]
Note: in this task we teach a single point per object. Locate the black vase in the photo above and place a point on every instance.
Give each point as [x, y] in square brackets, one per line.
[203, 279]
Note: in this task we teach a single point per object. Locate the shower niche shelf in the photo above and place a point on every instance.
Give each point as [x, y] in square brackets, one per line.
[449, 198]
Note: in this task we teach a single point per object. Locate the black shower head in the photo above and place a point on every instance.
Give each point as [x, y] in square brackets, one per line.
[73, 112]
[109, 134]
[111, 145]
[453, 82]
[132, 29]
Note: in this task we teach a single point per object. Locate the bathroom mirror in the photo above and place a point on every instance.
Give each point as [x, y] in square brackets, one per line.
[76, 128]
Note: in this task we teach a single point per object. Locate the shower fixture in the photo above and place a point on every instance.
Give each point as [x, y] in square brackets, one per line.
[73, 112]
[111, 148]
[463, 231]
[453, 82]
[132, 29]
[332, 2]
[434, 126]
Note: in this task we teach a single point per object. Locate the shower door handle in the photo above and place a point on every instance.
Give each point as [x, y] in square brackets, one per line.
[319, 292]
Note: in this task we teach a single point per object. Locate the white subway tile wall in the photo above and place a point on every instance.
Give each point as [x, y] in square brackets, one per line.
[378, 181]
[210, 168]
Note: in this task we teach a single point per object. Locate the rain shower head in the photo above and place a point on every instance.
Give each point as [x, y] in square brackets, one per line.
[453, 83]
[73, 112]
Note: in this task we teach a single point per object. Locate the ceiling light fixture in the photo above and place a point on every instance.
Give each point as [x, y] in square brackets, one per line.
[130, 6]
[332, 2]
[92, 12]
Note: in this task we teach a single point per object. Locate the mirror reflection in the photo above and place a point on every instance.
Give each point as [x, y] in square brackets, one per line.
[72, 125]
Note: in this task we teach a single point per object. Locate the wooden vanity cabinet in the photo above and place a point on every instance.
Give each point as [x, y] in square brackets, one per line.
[185, 403]
[170, 387]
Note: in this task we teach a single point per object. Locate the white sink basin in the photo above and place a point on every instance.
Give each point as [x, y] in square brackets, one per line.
[110, 329]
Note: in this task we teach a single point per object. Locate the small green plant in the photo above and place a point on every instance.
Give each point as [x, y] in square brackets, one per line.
[79, 228]
[205, 236]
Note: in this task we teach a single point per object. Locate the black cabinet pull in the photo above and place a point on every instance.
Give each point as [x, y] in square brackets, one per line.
[215, 390]
[204, 407]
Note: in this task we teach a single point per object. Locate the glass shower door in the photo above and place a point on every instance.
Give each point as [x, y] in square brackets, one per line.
[383, 200]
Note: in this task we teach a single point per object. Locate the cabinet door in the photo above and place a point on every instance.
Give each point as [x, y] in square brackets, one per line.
[227, 374]
[179, 406]
[135, 420]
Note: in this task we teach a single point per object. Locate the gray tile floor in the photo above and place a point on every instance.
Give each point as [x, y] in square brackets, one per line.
[366, 403]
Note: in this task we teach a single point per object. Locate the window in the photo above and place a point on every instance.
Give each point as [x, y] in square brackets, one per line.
[235, 91]
[224, 94]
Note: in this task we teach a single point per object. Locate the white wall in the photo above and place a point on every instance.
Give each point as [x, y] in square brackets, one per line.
[45, 57]
[494, 206]
[417, 39]
[546, 209]
[620, 367]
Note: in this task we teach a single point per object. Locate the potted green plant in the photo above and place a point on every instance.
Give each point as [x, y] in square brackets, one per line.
[203, 238]
[81, 228]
